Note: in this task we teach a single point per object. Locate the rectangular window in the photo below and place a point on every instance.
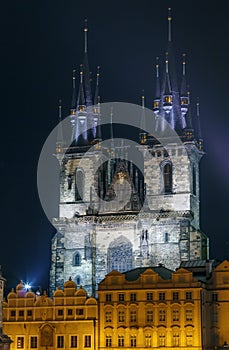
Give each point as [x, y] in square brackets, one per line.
[149, 296]
[20, 342]
[108, 297]
[70, 312]
[87, 341]
[161, 296]
[60, 341]
[121, 316]
[21, 313]
[133, 316]
[29, 313]
[149, 316]
[33, 342]
[189, 339]
[176, 339]
[175, 296]
[12, 313]
[79, 312]
[162, 315]
[121, 341]
[188, 295]
[108, 316]
[133, 297]
[188, 315]
[60, 312]
[161, 339]
[214, 297]
[108, 341]
[175, 315]
[133, 341]
[121, 297]
[73, 341]
[147, 340]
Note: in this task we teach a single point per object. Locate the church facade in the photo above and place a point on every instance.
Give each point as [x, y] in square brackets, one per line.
[159, 222]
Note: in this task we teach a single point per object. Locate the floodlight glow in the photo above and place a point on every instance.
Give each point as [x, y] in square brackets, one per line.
[27, 286]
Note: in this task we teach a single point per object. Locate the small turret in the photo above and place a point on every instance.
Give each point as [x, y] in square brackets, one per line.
[184, 101]
[167, 96]
[156, 101]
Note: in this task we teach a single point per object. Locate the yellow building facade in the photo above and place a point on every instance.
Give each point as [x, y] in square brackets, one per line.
[69, 321]
[142, 308]
[150, 308]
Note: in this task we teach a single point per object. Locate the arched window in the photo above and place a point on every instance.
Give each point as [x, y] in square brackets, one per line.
[167, 177]
[194, 180]
[80, 183]
[166, 237]
[120, 255]
[77, 259]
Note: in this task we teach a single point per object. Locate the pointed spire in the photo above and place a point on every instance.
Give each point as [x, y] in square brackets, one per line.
[81, 97]
[86, 70]
[183, 80]
[97, 86]
[156, 101]
[169, 25]
[167, 98]
[60, 139]
[199, 134]
[73, 104]
[184, 97]
[143, 134]
[85, 35]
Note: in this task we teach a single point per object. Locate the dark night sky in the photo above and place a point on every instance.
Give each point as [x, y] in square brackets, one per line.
[42, 42]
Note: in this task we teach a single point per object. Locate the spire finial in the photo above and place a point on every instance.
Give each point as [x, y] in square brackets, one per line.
[97, 75]
[184, 63]
[81, 74]
[167, 62]
[197, 107]
[143, 98]
[85, 35]
[60, 110]
[169, 24]
[74, 78]
[157, 67]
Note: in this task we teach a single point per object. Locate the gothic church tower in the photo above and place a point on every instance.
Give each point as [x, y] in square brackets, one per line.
[89, 242]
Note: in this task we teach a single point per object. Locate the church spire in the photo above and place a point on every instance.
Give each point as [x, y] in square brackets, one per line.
[143, 134]
[167, 97]
[73, 104]
[86, 70]
[81, 98]
[60, 139]
[156, 101]
[184, 101]
[199, 133]
[85, 35]
[169, 25]
[97, 86]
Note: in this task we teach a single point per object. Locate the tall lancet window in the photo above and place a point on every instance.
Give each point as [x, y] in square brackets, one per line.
[80, 183]
[194, 180]
[167, 181]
